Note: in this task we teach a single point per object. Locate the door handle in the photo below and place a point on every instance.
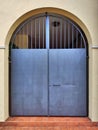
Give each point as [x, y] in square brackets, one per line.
[56, 85]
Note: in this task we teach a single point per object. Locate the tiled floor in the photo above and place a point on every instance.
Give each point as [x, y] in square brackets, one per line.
[48, 123]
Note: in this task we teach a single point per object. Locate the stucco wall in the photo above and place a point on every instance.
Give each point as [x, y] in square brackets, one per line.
[95, 84]
[85, 10]
[1, 84]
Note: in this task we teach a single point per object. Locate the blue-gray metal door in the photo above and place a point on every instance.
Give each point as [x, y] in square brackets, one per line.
[55, 89]
[29, 95]
[67, 82]
[48, 67]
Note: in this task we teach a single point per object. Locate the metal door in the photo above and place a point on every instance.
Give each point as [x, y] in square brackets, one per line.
[29, 95]
[48, 67]
[67, 82]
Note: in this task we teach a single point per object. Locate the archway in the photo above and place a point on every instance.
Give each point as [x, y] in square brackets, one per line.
[61, 81]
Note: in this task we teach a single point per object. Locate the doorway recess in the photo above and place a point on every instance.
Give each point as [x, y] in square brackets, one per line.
[48, 54]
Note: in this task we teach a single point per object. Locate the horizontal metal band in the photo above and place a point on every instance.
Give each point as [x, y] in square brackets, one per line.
[95, 47]
[2, 47]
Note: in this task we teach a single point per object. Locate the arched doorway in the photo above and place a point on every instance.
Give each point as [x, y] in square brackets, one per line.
[48, 67]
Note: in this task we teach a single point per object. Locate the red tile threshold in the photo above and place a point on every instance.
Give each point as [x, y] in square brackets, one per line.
[49, 122]
[50, 128]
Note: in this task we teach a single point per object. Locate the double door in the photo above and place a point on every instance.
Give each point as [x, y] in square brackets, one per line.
[48, 82]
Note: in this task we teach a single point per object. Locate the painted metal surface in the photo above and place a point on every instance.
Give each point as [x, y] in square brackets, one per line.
[48, 67]
[29, 93]
[57, 89]
[67, 82]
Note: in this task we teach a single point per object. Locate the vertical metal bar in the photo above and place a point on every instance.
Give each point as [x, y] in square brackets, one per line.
[47, 32]
[43, 32]
[68, 35]
[31, 34]
[52, 32]
[39, 32]
[27, 34]
[84, 42]
[72, 36]
[76, 38]
[35, 33]
[18, 40]
[64, 34]
[13, 40]
[85, 45]
[81, 41]
[21, 40]
[56, 37]
[53, 37]
[61, 33]
[23, 32]
[48, 46]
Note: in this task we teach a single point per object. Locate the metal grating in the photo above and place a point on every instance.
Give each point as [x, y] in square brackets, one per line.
[48, 31]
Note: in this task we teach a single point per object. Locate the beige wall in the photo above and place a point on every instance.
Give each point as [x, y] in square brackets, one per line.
[85, 10]
[95, 84]
[1, 84]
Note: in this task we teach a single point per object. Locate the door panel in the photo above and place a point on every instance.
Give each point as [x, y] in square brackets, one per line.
[67, 82]
[65, 75]
[29, 95]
